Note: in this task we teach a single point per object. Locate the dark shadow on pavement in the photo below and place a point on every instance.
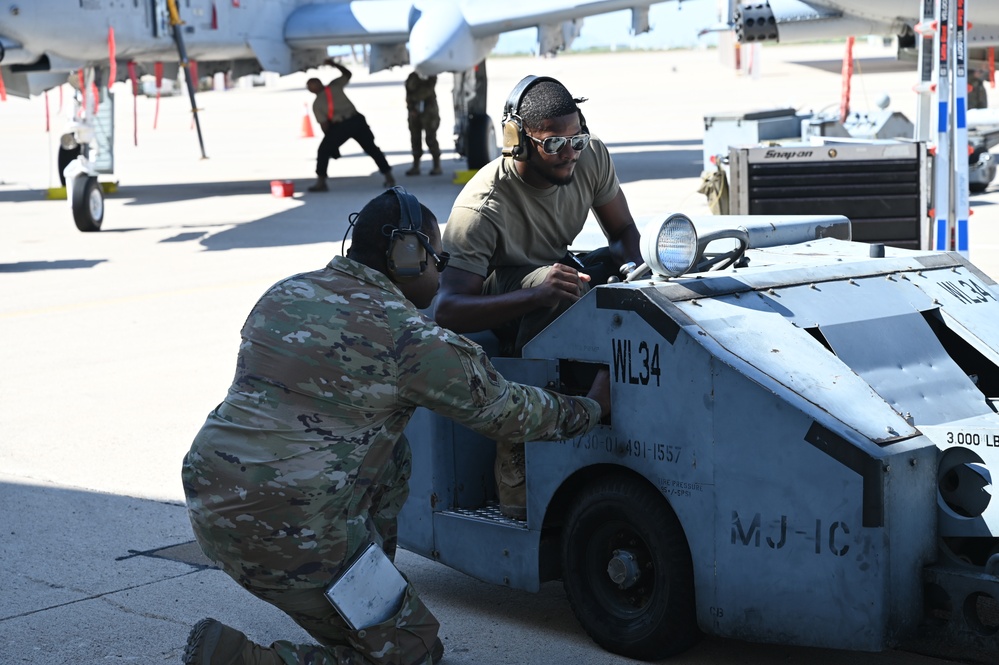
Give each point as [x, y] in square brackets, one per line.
[32, 266]
[884, 65]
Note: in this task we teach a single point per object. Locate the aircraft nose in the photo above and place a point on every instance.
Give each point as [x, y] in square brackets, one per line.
[442, 41]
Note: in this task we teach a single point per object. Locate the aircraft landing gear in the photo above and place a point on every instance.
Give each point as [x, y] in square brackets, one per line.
[85, 195]
[65, 158]
[480, 140]
[474, 134]
[88, 204]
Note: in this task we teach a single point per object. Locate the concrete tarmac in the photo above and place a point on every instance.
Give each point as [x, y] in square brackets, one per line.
[117, 344]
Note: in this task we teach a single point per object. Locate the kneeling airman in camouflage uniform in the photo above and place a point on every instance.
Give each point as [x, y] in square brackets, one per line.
[305, 464]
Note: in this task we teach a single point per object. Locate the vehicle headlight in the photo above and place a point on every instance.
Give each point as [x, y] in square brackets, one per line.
[670, 247]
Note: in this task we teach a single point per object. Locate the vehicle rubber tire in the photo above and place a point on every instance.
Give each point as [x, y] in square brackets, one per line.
[481, 141]
[977, 187]
[88, 205]
[655, 616]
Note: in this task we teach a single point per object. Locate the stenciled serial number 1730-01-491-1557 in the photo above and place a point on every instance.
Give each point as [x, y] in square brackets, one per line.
[655, 451]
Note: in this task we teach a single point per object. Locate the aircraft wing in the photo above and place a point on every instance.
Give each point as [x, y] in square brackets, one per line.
[38, 40]
[444, 35]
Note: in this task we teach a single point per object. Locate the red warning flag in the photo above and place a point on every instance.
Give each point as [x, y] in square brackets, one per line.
[113, 67]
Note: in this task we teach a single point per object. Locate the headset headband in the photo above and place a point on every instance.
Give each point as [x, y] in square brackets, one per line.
[512, 107]
[410, 215]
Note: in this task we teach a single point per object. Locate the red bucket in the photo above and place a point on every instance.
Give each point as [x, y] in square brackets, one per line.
[282, 188]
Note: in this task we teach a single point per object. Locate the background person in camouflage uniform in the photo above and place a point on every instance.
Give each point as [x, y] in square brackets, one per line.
[424, 118]
[304, 463]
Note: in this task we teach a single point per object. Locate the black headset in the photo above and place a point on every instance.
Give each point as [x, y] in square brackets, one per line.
[514, 138]
[406, 255]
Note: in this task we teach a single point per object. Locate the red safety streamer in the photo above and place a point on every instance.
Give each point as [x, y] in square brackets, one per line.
[48, 125]
[215, 17]
[992, 65]
[112, 57]
[158, 71]
[844, 102]
[83, 93]
[3, 90]
[134, 78]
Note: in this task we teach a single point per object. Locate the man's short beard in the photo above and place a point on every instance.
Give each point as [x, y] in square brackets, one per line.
[559, 182]
[551, 178]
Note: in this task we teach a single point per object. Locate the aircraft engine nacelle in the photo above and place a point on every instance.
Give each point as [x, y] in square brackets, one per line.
[443, 41]
[795, 21]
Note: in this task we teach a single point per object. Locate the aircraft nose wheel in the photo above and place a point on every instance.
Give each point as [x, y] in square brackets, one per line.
[627, 570]
[88, 205]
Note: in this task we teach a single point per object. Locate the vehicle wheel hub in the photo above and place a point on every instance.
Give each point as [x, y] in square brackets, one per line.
[623, 569]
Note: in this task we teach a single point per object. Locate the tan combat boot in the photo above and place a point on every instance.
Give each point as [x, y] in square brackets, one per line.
[511, 484]
[437, 166]
[415, 169]
[213, 643]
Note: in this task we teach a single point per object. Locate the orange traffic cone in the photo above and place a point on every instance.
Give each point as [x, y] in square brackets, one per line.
[307, 132]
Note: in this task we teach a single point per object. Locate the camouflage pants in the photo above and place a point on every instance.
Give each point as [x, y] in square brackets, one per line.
[515, 334]
[404, 639]
[424, 123]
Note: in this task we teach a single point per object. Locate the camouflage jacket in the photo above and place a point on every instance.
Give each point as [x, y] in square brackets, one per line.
[421, 94]
[332, 364]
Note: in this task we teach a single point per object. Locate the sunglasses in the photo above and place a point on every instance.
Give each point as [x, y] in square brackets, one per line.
[553, 144]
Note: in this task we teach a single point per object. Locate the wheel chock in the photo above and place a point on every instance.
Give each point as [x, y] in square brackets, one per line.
[463, 176]
[59, 193]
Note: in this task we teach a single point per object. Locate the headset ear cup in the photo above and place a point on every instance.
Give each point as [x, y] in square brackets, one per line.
[512, 134]
[407, 259]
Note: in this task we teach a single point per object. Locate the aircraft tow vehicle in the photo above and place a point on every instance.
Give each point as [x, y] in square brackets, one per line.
[800, 451]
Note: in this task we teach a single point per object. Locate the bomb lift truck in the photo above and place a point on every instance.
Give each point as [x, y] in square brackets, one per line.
[801, 449]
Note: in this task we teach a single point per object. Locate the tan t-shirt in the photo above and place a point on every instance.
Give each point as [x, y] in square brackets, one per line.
[342, 107]
[500, 221]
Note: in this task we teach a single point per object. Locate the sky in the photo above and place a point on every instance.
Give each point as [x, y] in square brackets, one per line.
[673, 25]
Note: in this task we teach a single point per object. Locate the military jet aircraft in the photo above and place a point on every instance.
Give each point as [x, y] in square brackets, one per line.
[43, 41]
[807, 20]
